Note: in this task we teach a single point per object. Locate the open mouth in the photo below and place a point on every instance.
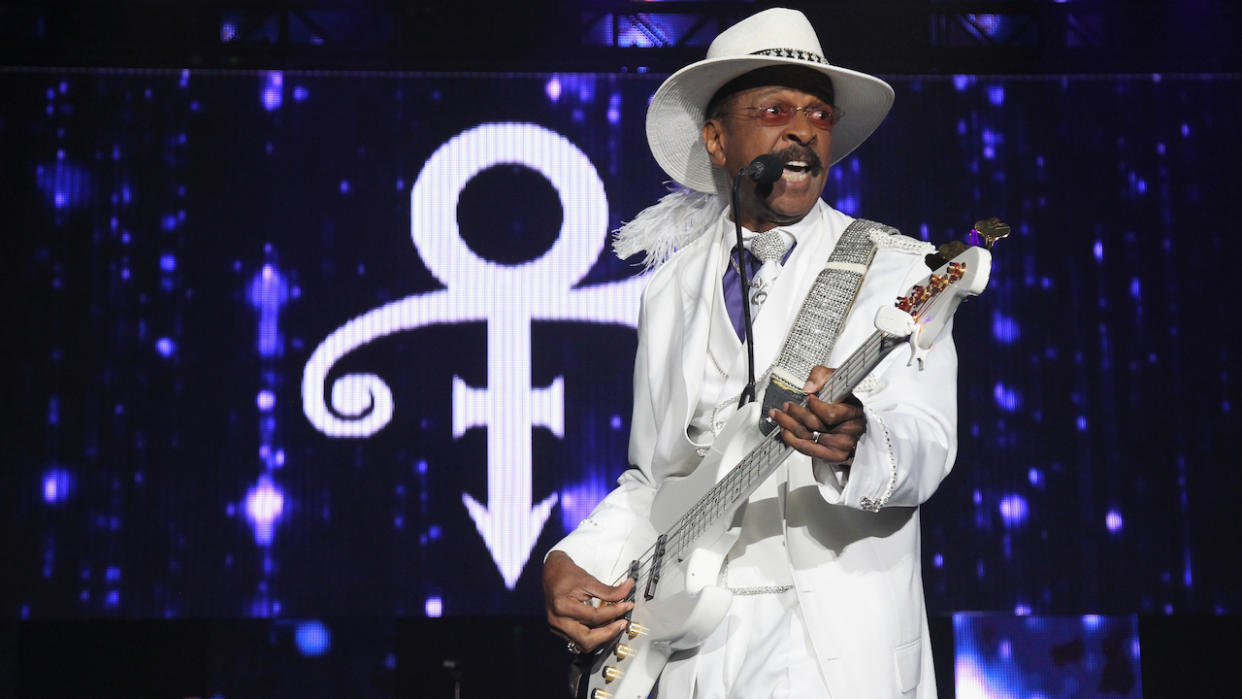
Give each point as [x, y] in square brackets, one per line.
[796, 171]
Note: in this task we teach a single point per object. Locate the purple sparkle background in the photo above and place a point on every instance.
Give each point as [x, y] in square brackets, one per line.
[178, 243]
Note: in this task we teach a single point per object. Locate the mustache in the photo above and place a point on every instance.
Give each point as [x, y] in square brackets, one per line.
[813, 164]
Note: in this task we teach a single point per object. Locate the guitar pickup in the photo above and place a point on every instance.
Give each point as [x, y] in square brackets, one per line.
[657, 561]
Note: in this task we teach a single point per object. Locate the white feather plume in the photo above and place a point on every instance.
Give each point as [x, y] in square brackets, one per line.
[670, 224]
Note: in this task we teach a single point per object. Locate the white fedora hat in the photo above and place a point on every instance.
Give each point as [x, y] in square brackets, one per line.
[776, 37]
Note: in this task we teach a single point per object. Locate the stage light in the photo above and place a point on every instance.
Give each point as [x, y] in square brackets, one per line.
[264, 504]
[57, 485]
[313, 639]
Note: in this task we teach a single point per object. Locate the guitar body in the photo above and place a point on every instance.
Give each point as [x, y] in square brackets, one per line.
[687, 605]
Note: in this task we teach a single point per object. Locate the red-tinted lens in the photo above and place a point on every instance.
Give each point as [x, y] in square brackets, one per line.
[775, 114]
[820, 117]
[779, 114]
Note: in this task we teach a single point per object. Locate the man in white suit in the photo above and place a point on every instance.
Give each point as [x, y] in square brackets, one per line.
[826, 578]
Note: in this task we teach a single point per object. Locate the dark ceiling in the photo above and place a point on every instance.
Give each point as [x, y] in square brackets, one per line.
[887, 36]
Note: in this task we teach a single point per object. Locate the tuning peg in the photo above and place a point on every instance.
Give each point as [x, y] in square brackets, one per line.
[623, 651]
[636, 629]
[612, 673]
[600, 694]
[990, 230]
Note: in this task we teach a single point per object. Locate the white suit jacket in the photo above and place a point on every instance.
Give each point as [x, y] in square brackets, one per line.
[856, 571]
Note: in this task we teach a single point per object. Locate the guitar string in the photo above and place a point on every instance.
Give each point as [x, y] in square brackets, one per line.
[692, 524]
[695, 521]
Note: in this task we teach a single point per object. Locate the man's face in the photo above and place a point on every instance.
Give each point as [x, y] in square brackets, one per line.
[738, 136]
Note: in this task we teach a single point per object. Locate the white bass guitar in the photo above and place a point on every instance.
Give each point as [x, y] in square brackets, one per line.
[677, 601]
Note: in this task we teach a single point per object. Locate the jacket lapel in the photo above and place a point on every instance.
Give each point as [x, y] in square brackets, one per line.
[698, 272]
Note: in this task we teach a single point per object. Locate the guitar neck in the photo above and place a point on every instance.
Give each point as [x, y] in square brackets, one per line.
[855, 368]
[744, 478]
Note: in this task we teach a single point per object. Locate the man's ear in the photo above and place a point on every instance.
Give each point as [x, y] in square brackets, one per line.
[713, 140]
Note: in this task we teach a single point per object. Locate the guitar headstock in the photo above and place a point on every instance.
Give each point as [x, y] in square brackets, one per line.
[923, 312]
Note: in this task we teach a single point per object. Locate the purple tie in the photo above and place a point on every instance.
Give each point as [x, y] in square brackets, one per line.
[732, 287]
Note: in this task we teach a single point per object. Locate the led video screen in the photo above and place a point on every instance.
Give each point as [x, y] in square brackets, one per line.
[309, 343]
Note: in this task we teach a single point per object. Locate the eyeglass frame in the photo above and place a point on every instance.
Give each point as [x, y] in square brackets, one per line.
[835, 112]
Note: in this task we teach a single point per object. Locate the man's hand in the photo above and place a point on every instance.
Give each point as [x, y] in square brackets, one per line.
[581, 608]
[827, 431]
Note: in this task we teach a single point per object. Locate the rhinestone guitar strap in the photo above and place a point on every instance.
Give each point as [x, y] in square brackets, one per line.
[822, 316]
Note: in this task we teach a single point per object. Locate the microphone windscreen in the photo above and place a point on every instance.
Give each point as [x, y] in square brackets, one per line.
[767, 168]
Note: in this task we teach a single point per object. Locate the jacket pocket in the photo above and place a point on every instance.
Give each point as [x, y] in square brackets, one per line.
[909, 661]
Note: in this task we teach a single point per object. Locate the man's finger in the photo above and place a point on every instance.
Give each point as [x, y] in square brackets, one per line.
[833, 413]
[589, 615]
[829, 447]
[817, 379]
[836, 447]
[563, 578]
[590, 639]
[833, 444]
[851, 428]
[585, 636]
[609, 593]
[798, 419]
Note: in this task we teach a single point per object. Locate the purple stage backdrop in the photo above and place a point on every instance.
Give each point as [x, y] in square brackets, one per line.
[306, 344]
